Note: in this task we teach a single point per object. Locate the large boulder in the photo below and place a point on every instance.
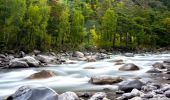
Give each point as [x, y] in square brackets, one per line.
[68, 96]
[31, 61]
[18, 64]
[46, 59]
[128, 85]
[34, 93]
[78, 54]
[105, 79]
[42, 74]
[129, 67]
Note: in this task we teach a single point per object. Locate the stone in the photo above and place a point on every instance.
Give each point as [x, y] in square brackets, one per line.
[153, 70]
[31, 61]
[136, 98]
[91, 59]
[98, 96]
[148, 95]
[34, 93]
[105, 79]
[158, 65]
[117, 60]
[165, 88]
[42, 74]
[136, 92]
[167, 93]
[129, 67]
[2, 56]
[89, 68]
[119, 92]
[148, 88]
[166, 61]
[78, 54]
[36, 52]
[84, 94]
[68, 96]
[18, 64]
[22, 54]
[129, 54]
[46, 59]
[128, 85]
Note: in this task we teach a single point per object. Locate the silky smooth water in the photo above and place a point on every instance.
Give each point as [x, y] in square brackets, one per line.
[73, 77]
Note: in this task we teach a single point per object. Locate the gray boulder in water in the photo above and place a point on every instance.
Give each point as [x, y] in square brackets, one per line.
[128, 85]
[129, 67]
[105, 79]
[34, 93]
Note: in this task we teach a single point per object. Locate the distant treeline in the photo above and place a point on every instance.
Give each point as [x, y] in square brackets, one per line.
[78, 24]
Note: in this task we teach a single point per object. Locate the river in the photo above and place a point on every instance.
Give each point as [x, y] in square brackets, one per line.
[75, 77]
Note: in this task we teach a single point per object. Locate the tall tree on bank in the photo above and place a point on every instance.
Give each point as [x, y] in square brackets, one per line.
[108, 27]
[12, 13]
[77, 28]
[34, 30]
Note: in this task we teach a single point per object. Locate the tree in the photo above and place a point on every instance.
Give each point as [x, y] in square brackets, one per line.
[34, 30]
[108, 27]
[77, 28]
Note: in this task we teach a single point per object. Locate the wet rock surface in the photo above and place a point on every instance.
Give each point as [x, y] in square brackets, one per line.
[42, 75]
[105, 79]
[129, 67]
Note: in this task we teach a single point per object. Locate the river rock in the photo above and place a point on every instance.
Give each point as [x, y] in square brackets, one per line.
[148, 95]
[46, 59]
[129, 67]
[136, 98]
[22, 54]
[89, 68]
[68, 96]
[42, 74]
[148, 88]
[31, 61]
[98, 96]
[34, 93]
[166, 61]
[78, 54]
[129, 54]
[117, 60]
[126, 96]
[36, 52]
[158, 65]
[91, 59]
[165, 88]
[105, 79]
[136, 92]
[128, 85]
[167, 93]
[2, 56]
[18, 64]
[153, 70]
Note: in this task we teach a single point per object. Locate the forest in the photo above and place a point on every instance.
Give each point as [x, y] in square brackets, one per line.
[83, 24]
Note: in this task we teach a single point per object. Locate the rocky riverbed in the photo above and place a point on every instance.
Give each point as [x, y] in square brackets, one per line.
[91, 76]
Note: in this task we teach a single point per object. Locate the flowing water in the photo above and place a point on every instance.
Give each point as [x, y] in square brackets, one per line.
[74, 77]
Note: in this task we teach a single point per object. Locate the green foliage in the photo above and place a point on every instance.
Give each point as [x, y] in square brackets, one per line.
[76, 24]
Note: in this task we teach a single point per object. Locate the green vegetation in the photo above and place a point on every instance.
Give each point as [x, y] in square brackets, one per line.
[78, 24]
